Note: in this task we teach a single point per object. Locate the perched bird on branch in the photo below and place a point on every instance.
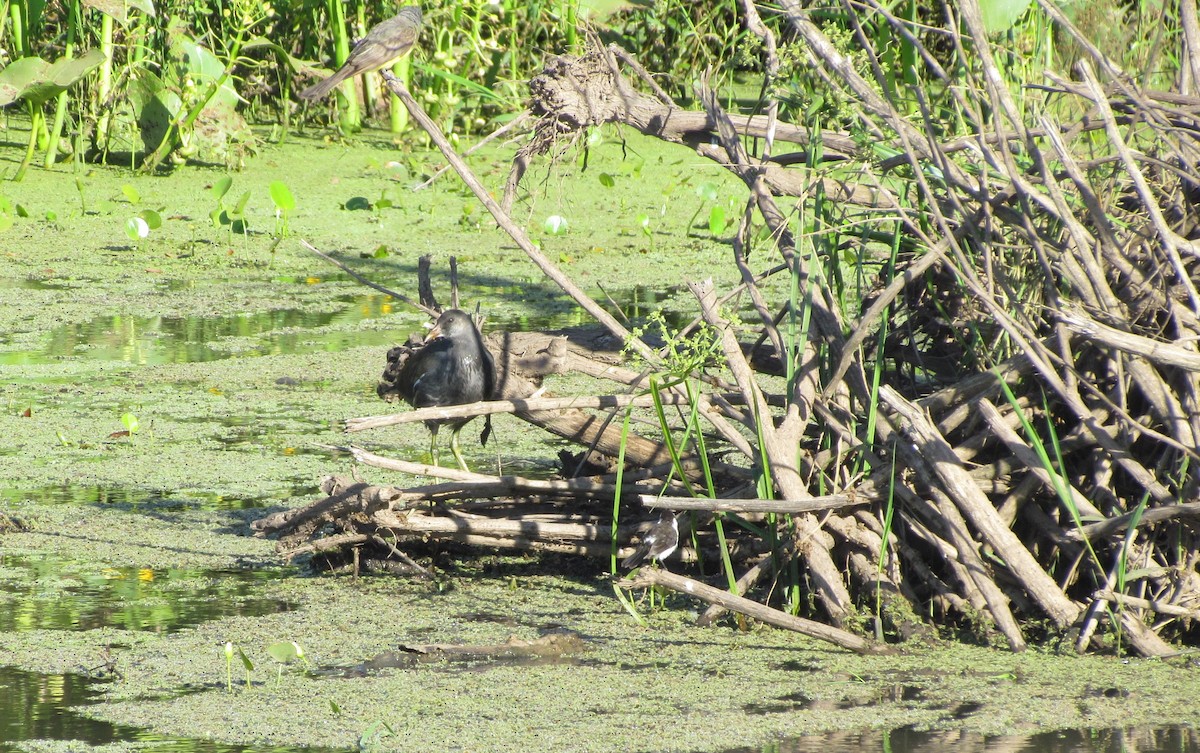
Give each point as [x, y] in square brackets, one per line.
[383, 45]
[658, 542]
[452, 367]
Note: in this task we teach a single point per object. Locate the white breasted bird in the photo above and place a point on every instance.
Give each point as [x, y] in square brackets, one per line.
[657, 543]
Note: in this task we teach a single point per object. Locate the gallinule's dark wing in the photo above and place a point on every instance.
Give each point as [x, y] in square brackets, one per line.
[452, 368]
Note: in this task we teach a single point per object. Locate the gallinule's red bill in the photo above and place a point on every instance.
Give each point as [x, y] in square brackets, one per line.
[657, 543]
[452, 368]
[383, 45]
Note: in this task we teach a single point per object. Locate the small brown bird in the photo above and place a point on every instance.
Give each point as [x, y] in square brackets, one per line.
[383, 45]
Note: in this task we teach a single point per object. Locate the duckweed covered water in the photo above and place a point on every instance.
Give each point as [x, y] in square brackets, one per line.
[241, 357]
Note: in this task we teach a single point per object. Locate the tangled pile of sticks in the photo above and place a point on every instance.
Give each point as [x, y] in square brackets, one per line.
[1053, 489]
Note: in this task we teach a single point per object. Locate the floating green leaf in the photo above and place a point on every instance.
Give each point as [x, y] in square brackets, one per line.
[131, 193]
[607, 180]
[284, 651]
[555, 224]
[152, 218]
[136, 228]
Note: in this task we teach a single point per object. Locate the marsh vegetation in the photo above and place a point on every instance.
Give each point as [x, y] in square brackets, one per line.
[914, 350]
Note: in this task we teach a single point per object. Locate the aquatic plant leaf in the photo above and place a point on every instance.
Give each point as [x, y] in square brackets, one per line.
[135, 229]
[282, 196]
[716, 220]
[131, 193]
[466, 84]
[221, 187]
[240, 208]
[707, 191]
[1000, 15]
[599, 10]
[155, 106]
[284, 651]
[202, 65]
[130, 422]
[119, 9]
[37, 81]
[607, 180]
[296, 64]
[152, 218]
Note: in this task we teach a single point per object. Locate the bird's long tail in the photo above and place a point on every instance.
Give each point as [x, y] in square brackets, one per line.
[638, 555]
[322, 88]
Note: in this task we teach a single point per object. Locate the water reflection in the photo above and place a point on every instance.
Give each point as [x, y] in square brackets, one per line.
[1141, 739]
[155, 340]
[39, 707]
[45, 593]
[136, 499]
[36, 706]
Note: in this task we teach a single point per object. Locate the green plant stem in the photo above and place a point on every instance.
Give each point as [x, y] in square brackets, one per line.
[104, 83]
[18, 31]
[35, 122]
[616, 514]
[398, 114]
[349, 115]
[60, 108]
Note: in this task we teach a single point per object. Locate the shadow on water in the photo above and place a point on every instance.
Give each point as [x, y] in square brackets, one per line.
[1141, 739]
[39, 707]
[45, 593]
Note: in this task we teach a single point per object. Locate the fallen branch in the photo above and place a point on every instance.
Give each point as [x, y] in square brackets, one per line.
[647, 577]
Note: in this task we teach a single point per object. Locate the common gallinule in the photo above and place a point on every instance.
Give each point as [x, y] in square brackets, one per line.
[383, 45]
[452, 368]
[658, 542]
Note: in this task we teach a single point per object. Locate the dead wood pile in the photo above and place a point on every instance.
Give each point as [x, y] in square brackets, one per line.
[1027, 459]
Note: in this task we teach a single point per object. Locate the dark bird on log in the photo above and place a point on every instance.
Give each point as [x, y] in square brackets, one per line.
[383, 45]
[452, 368]
[657, 543]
